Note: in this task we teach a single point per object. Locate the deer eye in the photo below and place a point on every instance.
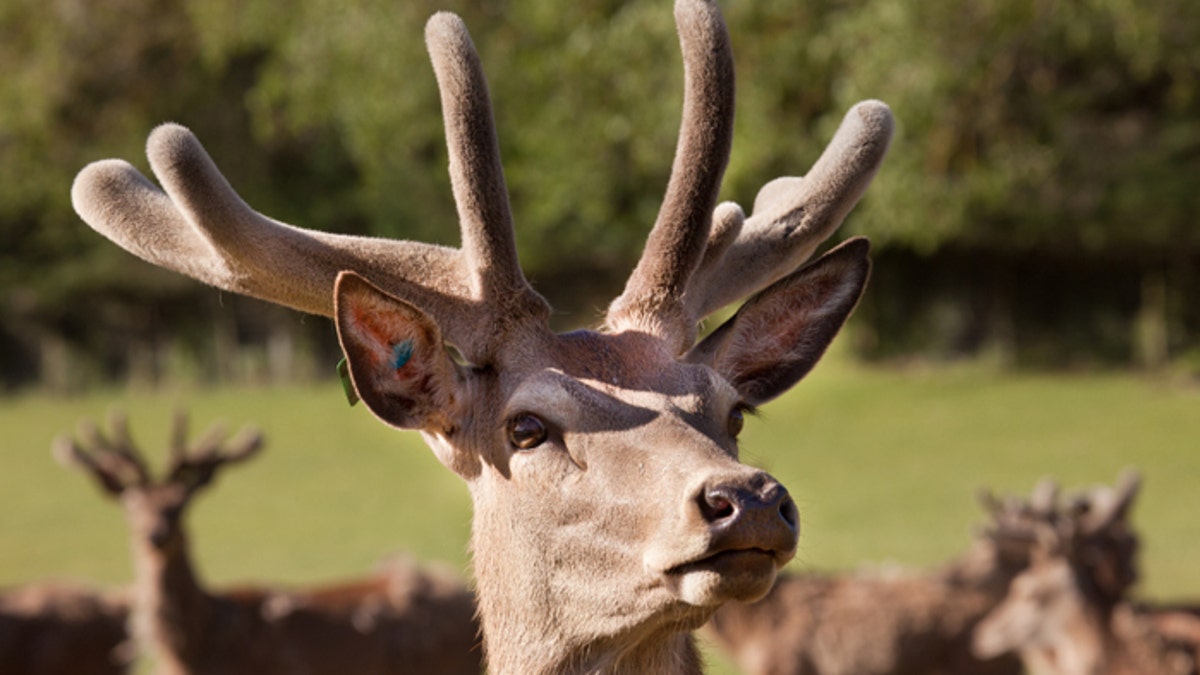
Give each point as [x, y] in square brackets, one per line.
[526, 431]
[737, 420]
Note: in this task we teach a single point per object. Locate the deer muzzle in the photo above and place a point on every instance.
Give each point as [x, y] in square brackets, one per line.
[745, 528]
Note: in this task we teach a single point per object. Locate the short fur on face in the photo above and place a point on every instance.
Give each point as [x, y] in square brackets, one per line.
[634, 436]
[621, 435]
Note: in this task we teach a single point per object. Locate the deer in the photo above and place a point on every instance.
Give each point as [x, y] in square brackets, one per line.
[1068, 614]
[890, 621]
[64, 628]
[400, 620]
[611, 513]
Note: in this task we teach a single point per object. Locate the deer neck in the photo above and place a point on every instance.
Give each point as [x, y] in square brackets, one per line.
[981, 568]
[534, 623]
[518, 643]
[171, 608]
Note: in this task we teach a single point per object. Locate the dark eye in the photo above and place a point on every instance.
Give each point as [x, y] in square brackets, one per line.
[526, 431]
[737, 420]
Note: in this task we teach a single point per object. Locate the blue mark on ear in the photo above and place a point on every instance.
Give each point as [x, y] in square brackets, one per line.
[401, 353]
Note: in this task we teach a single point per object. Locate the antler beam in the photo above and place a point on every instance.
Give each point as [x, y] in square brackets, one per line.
[113, 462]
[197, 224]
[793, 216]
[653, 296]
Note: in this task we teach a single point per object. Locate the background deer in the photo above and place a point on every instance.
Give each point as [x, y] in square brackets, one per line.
[611, 513]
[1067, 614]
[889, 622]
[402, 620]
[59, 628]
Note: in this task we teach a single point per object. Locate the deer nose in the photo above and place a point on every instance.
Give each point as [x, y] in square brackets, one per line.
[759, 503]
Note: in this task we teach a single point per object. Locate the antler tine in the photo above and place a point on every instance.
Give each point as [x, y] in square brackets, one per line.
[476, 174]
[177, 442]
[1116, 502]
[1044, 499]
[1129, 483]
[117, 455]
[988, 500]
[727, 222]
[67, 452]
[216, 446]
[793, 216]
[209, 445]
[195, 466]
[1012, 519]
[653, 296]
[123, 445]
[245, 445]
[1053, 538]
[115, 465]
[201, 228]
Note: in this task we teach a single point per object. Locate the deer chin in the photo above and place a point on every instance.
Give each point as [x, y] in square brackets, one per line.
[744, 575]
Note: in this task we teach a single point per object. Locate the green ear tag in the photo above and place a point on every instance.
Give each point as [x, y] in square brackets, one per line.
[343, 369]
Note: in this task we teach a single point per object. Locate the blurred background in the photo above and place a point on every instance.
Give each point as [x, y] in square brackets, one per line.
[1035, 305]
[1039, 206]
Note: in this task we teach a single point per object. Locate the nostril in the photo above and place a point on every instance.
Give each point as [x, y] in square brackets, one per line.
[789, 512]
[716, 504]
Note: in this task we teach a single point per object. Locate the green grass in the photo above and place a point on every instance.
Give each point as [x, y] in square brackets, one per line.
[333, 492]
[885, 465]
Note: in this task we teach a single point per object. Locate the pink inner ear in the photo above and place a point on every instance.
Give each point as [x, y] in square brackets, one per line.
[785, 327]
[766, 339]
[777, 337]
[396, 359]
[374, 333]
[395, 342]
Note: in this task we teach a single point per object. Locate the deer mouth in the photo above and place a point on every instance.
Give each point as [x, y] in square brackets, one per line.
[730, 560]
[736, 574]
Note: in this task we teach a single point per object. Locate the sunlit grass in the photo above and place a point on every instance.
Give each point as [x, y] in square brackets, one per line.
[333, 492]
[885, 465]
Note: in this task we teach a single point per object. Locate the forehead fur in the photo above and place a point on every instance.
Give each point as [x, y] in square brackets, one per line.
[630, 360]
[589, 380]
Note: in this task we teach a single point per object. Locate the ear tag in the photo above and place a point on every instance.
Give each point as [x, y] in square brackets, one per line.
[343, 370]
[401, 353]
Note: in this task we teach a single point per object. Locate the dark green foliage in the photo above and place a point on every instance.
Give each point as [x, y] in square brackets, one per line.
[1066, 126]
[1031, 132]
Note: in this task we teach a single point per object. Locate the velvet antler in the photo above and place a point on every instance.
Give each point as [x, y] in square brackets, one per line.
[695, 261]
[653, 296]
[199, 226]
[791, 216]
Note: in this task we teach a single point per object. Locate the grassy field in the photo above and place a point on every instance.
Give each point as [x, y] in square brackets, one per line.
[884, 464]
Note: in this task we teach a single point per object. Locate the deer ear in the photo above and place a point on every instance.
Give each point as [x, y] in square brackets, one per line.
[398, 363]
[780, 333]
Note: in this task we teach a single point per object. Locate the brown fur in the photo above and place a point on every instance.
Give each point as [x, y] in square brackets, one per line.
[874, 622]
[881, 622]
[1061, 627]
[624, 525]
[899, 622]
[58, 628]
[1068, 614]
[400, 620]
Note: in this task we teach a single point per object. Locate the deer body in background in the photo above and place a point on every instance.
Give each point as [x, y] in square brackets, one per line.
[611, 513]
[889, 622]
[1067, 614]
[402, 620]
[872, 622]
[58, 628]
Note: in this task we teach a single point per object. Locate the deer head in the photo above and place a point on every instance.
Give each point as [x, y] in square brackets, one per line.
[154, 508]
[1057, 611]
[1009, 537]
[611, 510]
